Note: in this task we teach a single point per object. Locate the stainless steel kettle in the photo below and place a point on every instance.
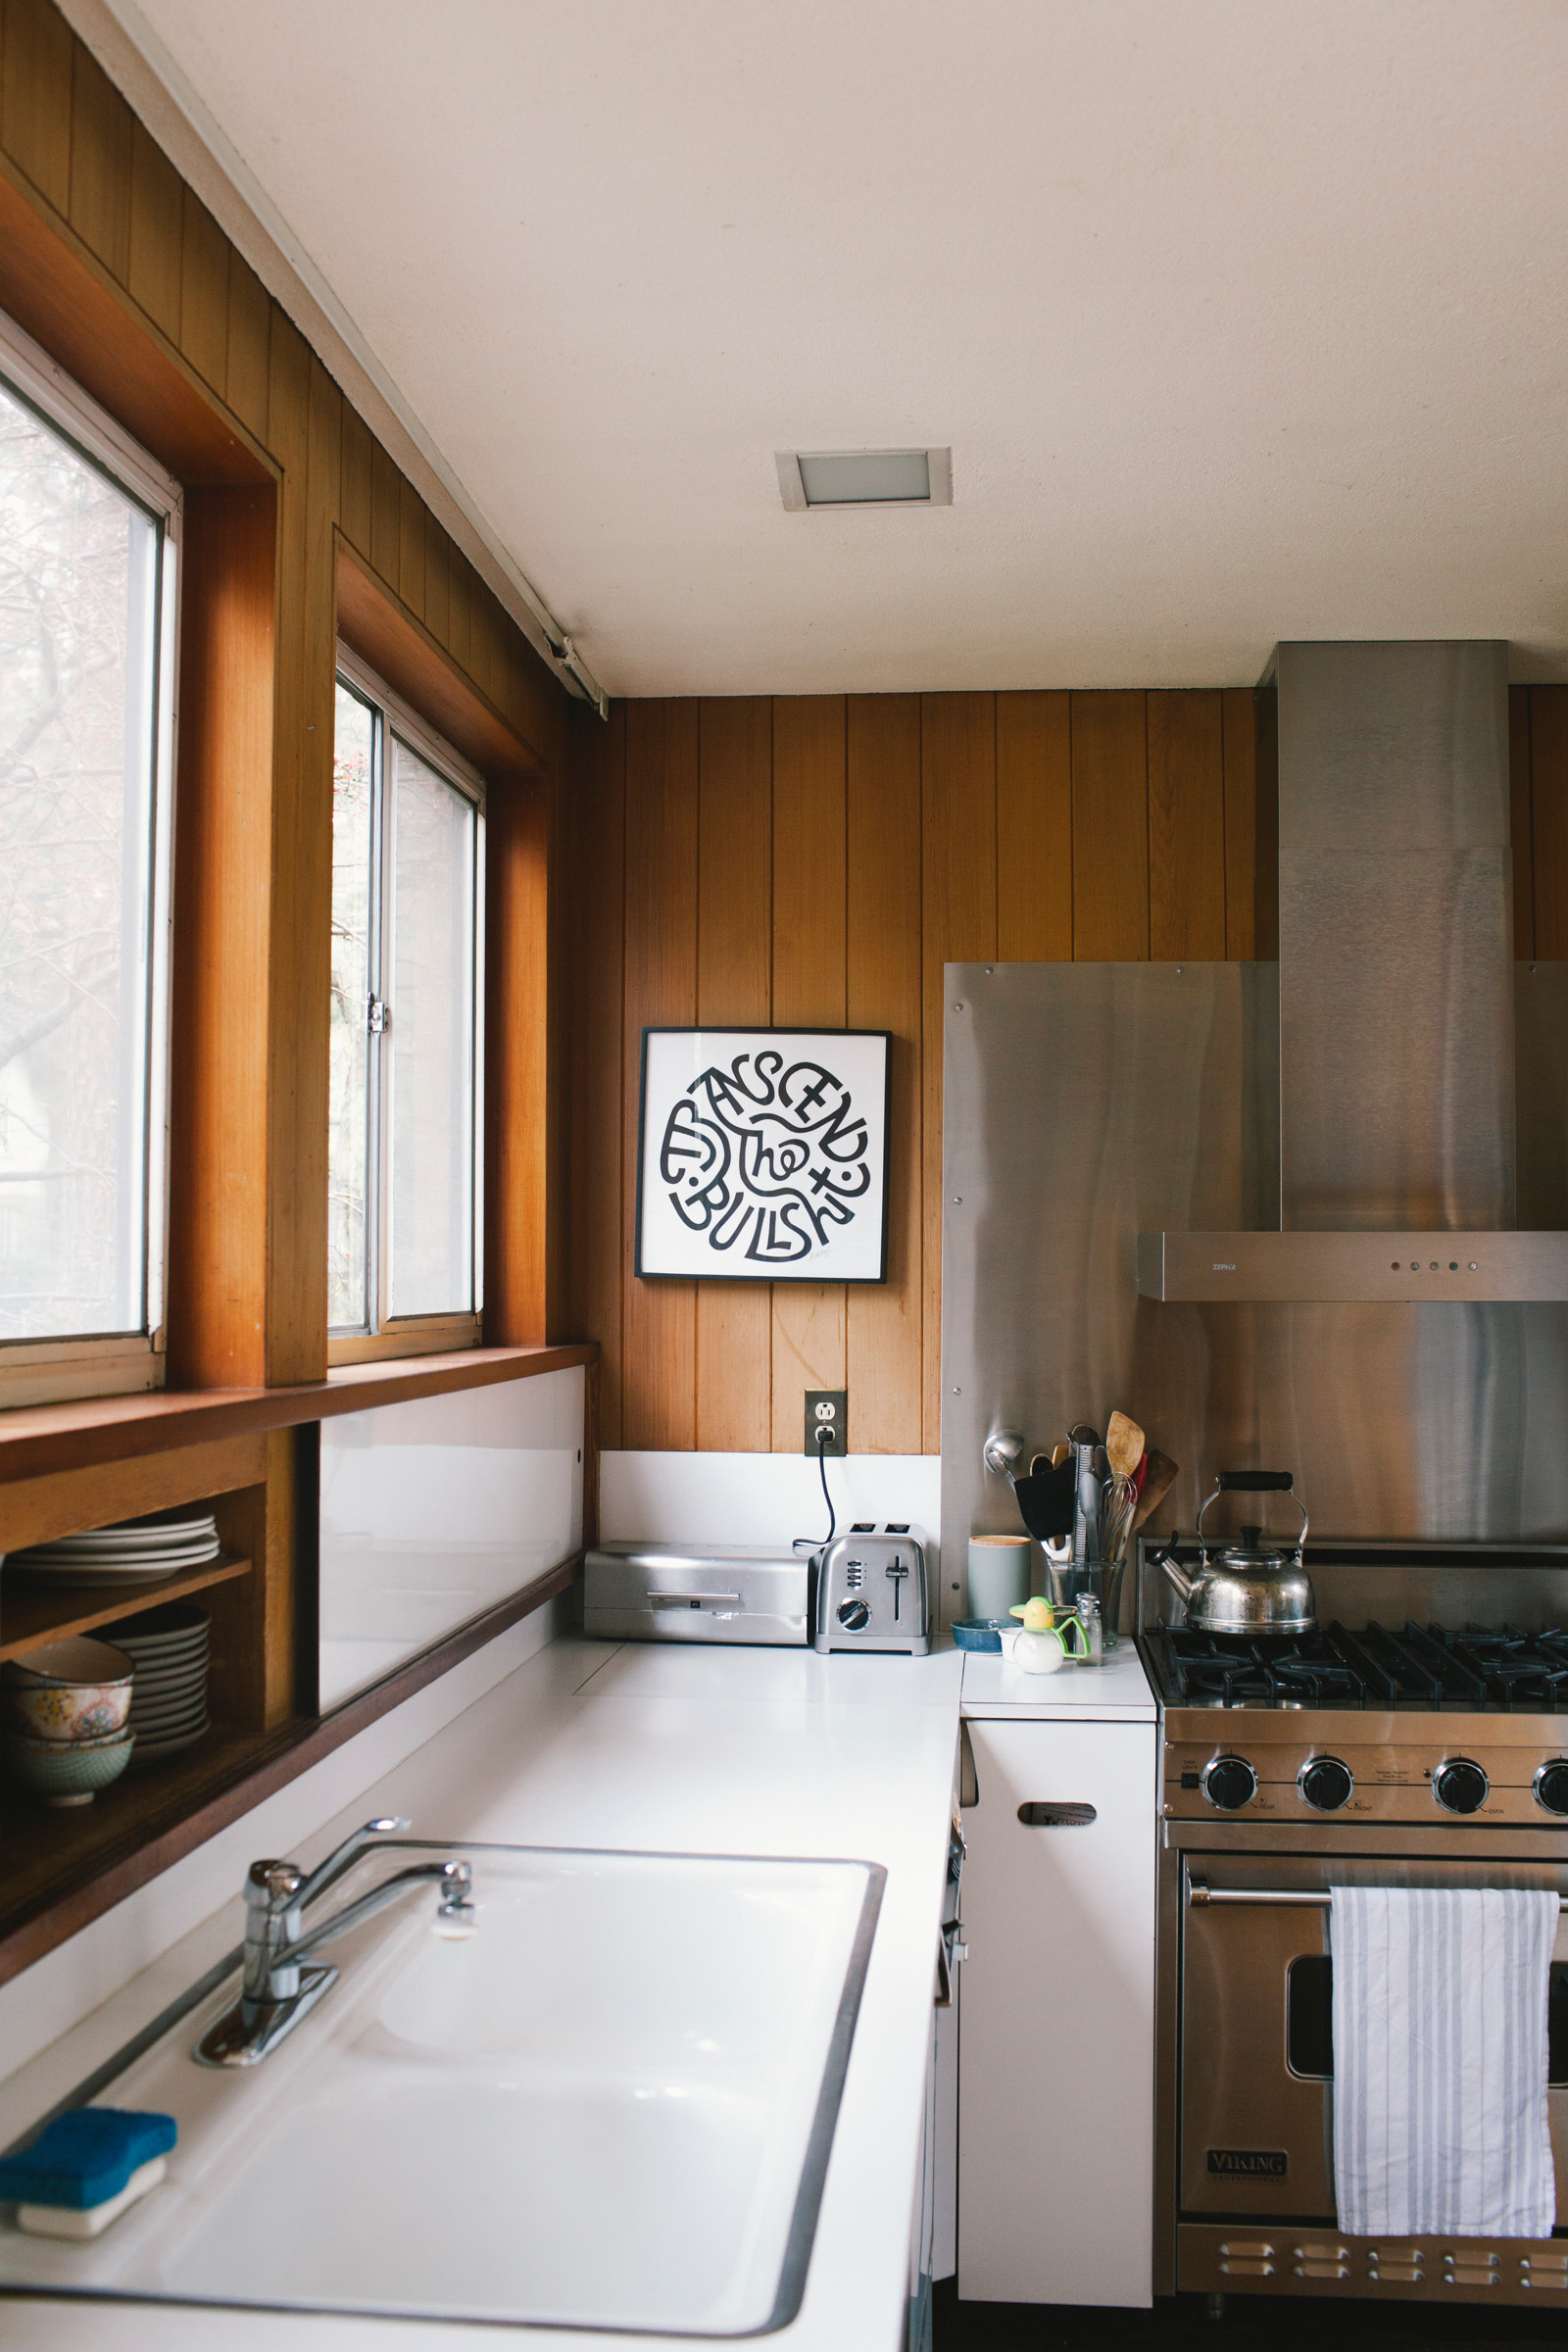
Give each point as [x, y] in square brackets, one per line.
[1252, 1587]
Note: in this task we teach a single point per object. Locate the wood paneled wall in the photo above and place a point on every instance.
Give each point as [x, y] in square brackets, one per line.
[111, 260]
[819, 859]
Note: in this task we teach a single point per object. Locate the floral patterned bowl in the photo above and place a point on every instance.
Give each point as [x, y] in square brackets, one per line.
[67, 1694]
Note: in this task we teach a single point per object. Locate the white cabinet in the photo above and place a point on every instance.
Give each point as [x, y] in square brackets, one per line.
[1057, 2018]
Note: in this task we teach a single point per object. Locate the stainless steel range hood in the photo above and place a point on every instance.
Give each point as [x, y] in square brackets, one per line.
[1395, 1101]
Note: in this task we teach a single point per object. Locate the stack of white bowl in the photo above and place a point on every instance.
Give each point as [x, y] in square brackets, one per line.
[136, 1553]
[169, 1701]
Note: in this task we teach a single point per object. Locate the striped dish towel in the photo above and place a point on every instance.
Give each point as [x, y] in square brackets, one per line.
[1439, 2061]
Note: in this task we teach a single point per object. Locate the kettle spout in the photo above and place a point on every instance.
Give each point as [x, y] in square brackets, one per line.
[1185, 1586]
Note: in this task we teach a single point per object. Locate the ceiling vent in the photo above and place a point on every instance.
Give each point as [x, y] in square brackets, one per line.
[864, 477]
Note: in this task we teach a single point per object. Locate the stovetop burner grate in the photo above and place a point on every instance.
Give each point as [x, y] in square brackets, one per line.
[1479, 1670]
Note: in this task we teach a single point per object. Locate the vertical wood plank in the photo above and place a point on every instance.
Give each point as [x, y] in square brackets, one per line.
[517, 1201]
[204, 294]
[1186, 826]
[1520, 823]
[219, 1161]
[483, 615]
[810, 989]
[35, 97]
[358, 494]
[1548, 802]
[600, 1058]
[1238, 748]
[959, 922]
[386, 516]
[411, 548]
[459, 611]
[299, 991]
[734, 987]
[250, 326]
[100, 165]
[1034, 828]
[157, 215]
[1110, 828]
[883, 1320]
[660, 1405]
[437, 575]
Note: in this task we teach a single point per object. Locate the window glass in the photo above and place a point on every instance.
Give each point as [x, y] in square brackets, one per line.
[430, 1258]
[80, 572]
[349, 1135]
[403, 1174]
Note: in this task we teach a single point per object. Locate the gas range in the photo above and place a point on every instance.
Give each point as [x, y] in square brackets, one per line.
[1401, 1714]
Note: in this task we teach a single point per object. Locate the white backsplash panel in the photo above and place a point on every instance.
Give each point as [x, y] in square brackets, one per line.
[436, 1509]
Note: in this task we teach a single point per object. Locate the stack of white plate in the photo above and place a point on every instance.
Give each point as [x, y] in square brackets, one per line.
[169, 1696]
[136, 1553]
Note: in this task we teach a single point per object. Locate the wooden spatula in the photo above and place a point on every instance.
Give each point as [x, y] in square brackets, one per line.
[1125, 1444]
[1157, 1483]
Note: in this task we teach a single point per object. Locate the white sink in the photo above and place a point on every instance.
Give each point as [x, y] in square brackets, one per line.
[612, 2107]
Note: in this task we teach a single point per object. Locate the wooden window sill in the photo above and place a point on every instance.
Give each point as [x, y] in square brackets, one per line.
[36, 1441]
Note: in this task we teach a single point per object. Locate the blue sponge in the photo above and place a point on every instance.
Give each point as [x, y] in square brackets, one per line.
[85, 2157]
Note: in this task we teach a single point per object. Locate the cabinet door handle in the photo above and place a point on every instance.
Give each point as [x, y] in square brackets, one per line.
[1048, 1815]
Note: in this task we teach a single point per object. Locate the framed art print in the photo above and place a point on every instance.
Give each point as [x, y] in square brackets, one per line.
[762, 1155]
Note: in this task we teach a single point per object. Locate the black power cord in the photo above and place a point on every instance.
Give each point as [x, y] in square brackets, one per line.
[824, 1439]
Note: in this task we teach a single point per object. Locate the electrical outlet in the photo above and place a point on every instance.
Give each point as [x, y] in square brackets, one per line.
[829, 1410]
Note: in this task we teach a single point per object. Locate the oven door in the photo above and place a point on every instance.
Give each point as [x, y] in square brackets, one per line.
[1257, 2037]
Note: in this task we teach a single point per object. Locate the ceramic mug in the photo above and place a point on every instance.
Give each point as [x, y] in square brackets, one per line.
[998, 1574]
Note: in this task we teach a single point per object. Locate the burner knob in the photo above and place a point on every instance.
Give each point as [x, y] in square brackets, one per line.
[1230, 1783]
[853, 1616]
[1325, 1784]
[1460, 1786]
[1552, 1787]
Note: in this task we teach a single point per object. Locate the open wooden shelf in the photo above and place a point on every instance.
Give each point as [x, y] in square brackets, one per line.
[32, 1613]
[55, 1855]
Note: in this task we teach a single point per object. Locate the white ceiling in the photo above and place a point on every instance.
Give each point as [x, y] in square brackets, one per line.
[1244, 321]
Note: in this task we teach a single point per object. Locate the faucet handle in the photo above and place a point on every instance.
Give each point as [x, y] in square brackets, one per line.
[273, 1887]
[337, 1862]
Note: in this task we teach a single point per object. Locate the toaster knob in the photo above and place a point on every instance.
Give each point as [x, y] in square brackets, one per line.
[855, 1615]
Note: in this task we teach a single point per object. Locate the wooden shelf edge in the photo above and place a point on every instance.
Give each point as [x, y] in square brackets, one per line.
[276, 1759]
[103, 1610]
[38, 1440]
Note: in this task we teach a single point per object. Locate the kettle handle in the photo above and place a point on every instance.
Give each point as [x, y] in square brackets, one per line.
[1254, 1481]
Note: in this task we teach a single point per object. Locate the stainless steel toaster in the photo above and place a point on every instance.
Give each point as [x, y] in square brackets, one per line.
[871, 1590]
[697, 1592]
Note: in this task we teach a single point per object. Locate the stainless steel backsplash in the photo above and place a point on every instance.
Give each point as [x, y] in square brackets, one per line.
[1084, 1103]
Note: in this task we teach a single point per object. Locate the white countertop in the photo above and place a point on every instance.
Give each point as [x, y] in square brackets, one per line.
[655, 1746]
[1116, 1693]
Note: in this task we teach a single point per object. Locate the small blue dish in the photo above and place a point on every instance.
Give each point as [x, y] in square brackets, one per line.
[980, 1633]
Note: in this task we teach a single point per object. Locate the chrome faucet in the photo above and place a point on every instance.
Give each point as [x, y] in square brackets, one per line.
[275, 1990]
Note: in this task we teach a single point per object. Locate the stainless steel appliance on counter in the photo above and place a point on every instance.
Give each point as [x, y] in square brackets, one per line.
[1400, 1744]
[697, 1592]
[871, 1590]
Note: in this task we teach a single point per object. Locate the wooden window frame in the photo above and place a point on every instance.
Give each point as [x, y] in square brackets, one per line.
[62, 1364]
[388, 1337]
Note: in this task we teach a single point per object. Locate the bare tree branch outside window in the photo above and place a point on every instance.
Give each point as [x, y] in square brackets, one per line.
[78, 653]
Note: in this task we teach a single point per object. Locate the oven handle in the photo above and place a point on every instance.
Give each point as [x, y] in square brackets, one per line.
[1200, 1893]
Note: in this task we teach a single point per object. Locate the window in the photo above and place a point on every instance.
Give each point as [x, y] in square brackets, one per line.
[88, 533]
[407, 869]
